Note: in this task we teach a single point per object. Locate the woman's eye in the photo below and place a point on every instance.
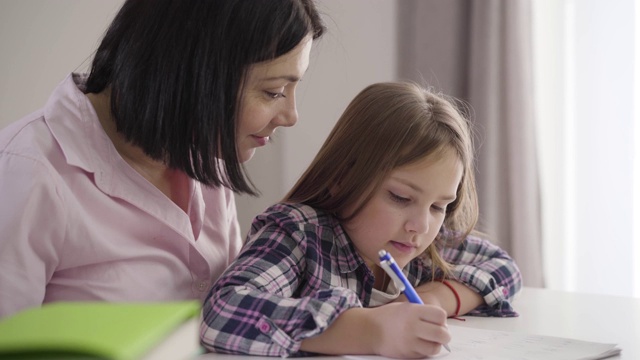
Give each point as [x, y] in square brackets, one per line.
[275, 95]
[439, 208]
[398, 198]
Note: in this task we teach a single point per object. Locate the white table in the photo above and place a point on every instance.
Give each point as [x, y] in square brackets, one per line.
[600, 318]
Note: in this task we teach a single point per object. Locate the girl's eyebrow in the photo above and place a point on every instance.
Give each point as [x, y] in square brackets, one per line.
[419, 190]
[409, 184]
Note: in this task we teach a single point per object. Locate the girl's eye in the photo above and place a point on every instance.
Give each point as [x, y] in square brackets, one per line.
[398, 199]
[439, 208]
[275, 95]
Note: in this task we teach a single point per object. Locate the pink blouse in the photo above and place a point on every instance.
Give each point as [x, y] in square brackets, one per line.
[78, 223]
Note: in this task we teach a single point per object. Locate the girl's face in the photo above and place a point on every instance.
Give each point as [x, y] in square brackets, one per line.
[268, 99]
[406, 213]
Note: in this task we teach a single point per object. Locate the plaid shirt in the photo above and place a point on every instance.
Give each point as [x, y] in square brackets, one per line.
[299, 271]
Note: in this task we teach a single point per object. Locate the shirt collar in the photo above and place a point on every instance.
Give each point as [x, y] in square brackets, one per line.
[84, 143]
[69, 112]
[347, 258]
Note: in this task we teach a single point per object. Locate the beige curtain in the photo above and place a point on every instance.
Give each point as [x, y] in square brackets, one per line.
[480, 52]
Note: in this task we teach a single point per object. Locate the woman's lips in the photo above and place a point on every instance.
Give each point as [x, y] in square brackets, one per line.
[261, 140]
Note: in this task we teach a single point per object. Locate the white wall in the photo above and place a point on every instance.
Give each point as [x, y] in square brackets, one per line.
[43, 40]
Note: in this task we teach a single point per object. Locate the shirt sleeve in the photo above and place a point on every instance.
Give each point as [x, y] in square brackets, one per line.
[32, 223]
[488, 270]
[261, 306]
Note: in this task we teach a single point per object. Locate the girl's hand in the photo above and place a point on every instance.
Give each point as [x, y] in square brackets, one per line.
[405, 330]
[395, 330]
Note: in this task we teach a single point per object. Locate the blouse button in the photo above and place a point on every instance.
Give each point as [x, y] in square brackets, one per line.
[264, 326]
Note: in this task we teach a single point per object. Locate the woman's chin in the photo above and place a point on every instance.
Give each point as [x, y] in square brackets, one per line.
[247, 155]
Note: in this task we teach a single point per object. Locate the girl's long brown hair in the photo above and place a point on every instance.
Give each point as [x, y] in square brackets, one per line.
[386, 126]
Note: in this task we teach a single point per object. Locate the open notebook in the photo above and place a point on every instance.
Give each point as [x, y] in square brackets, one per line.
[478, 344]
[481, 344]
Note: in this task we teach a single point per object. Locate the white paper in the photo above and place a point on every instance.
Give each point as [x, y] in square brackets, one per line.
[480, 344]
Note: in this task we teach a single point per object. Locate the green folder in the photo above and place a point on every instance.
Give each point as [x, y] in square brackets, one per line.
[102, 330]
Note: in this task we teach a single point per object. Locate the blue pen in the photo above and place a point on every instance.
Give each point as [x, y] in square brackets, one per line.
[390, 266]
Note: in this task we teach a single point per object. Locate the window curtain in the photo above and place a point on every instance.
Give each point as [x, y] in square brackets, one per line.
[587, 100]
[480, 52]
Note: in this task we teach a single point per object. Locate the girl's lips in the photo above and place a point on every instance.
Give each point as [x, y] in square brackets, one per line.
[403, 248]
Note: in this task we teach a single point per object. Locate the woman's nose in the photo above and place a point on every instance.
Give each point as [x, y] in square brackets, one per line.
[288, 116]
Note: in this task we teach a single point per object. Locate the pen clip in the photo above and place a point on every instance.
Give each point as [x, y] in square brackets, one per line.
[385, 263]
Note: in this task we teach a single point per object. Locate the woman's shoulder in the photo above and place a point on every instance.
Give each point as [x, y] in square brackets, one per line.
[29, 149]
[20, 136]
[38, 137]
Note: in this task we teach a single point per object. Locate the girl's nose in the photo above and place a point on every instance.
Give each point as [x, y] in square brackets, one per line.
[419, 223]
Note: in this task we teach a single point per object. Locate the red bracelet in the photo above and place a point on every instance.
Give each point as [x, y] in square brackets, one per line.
[455, 293]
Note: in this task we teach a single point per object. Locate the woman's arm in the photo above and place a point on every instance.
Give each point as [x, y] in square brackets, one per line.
[32, 229]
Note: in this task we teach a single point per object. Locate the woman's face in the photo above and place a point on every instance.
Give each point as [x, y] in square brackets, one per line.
[406, 212]
[268, 99]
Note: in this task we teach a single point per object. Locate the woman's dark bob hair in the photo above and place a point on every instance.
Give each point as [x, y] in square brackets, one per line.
[175, 69]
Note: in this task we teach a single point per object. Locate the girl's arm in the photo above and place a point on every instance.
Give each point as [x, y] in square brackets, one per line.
[395, 330]
[257, 307]
[282, 296]
[485, 277]
[437, 293]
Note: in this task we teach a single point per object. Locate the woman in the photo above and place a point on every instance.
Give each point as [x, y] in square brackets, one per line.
[121, 187]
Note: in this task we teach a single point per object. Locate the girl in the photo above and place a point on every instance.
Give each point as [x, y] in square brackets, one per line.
[395, 174]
